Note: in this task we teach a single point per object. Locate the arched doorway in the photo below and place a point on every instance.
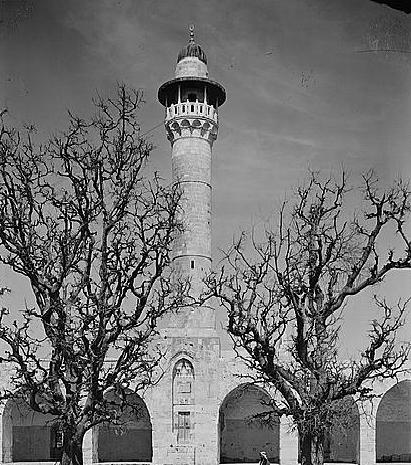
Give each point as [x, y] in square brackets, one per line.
[342, 441]
[131, 440]
[29, 436]
[242, 436]
[393, 438]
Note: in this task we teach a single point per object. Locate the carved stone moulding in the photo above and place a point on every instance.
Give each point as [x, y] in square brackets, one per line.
[203, 128]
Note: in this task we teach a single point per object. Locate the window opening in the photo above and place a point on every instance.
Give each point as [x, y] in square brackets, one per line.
[192, 264]
[183, 401]
[58, 441]
[183, 427]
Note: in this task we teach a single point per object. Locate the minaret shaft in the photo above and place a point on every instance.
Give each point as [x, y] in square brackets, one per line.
[191, 163]
[191, 122]
[191, 168]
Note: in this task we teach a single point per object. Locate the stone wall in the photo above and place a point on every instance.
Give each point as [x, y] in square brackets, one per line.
[214, 381]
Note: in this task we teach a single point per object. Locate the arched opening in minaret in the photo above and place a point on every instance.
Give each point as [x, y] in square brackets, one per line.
[29, 436]
[342, 441]
[243, 434]
[194, 89]
[131, 439]
[192, 92]
[393, 438]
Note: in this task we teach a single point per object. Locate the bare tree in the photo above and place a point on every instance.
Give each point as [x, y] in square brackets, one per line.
[285, 296]
[92, 233]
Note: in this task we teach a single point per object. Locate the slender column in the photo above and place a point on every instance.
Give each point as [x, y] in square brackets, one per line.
[367, 449]
[6, 436]
[288, 442]
[88, 448]
[159, 403]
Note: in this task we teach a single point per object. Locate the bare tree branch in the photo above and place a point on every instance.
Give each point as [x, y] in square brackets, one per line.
[286, 293]
[82, 221]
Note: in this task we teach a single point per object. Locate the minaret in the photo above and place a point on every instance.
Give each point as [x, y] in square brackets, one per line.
[191, 103]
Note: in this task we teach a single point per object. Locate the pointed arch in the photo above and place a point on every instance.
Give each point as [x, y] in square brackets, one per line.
[242, 435]
[393, 431]
[131, 439]
[28, 436]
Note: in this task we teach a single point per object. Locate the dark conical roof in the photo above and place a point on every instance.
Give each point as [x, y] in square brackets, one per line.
[192, 49]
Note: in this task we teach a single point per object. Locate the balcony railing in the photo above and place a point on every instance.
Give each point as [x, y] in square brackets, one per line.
[191, 109]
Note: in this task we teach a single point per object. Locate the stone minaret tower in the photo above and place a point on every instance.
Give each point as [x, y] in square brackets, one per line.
[185, 402]
[191, 103]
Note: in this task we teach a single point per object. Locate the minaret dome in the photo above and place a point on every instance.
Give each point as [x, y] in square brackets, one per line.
[191, 77]
[192, 49]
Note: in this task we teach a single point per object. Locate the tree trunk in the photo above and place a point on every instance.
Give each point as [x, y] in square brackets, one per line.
[72, 449]
[312, 449]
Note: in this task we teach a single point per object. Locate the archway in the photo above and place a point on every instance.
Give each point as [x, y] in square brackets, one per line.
[242, 435]
[393, 438]
[342, 441]
[131, 439]
[29, 436]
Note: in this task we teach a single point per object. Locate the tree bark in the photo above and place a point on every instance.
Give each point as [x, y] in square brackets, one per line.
[312, 449]
[72, 449]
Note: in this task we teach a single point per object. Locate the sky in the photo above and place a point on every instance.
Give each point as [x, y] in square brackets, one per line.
[311, 84]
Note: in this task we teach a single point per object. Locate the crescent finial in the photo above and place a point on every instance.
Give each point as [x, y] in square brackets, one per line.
[191, 29]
